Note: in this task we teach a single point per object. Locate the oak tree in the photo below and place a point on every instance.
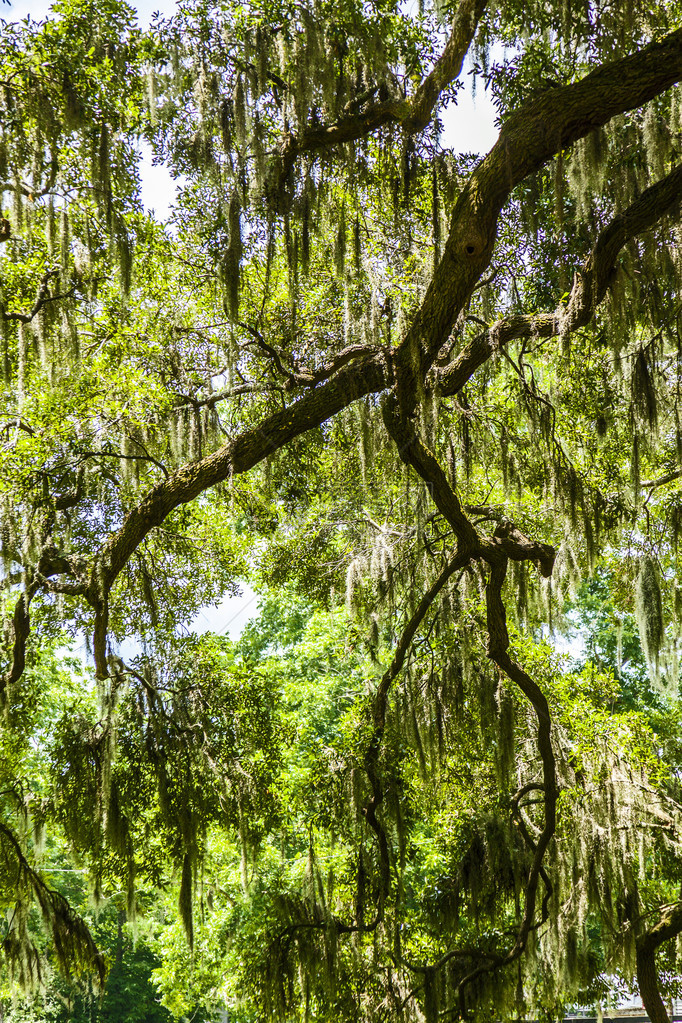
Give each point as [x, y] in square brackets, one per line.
[437, 387]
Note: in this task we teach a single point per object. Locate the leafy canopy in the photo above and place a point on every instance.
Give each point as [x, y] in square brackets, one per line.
[429, 403]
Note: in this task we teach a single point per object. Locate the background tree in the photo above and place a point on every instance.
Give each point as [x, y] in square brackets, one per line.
[442, 387]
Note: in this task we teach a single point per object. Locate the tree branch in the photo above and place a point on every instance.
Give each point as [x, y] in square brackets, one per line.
[412, 115]
[661, 481]
[448, 66]
[51, 563]
[506, 542]
[413, 452]
[498, 647]
[528, 139]
[240, 455]
[350, 354]
[229, 392]
[589, 287]
[42, 298]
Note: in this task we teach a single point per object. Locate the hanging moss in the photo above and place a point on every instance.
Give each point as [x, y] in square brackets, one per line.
[225, 114]
[17, 209]
[65, 247]
[124, 247]
[644, 391]
[506, 758]
[103, 172]
[305, 233]
[340, 246]
[231, 262]
[649, 609]
[185, 899]
[240, 114]
[634, 467]
[357, 244]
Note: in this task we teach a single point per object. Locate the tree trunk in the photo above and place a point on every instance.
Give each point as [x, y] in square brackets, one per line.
[647, 978]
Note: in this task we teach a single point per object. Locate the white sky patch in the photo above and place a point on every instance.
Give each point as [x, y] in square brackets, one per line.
[229, 617]
[17, 10]
[469, 125]
[158, 187]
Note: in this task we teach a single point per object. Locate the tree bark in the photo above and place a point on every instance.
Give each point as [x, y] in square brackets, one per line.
[668, 926]
[647, 978]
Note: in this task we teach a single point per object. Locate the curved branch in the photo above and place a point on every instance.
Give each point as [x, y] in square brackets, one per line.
[507, 541]
[51, 563]
[71, 935]
[498, 647]
[461, 560]
[661, 481]
[346, 356]
[21, 628]
[85, 455]
[528, 139]
[228, 392]
[296, 378]
[415, 453]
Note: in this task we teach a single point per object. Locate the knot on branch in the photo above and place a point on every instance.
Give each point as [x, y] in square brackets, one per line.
[518, 547]
[473, 244]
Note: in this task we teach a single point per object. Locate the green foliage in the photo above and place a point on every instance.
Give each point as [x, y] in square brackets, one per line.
[610, 637]
[370, 805]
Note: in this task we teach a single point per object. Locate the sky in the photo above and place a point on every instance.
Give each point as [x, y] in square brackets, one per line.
[38, 9]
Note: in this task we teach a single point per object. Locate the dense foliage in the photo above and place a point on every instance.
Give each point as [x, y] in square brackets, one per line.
[428, 403]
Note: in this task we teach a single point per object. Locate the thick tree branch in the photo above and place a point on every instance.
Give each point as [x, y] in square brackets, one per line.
[529, 138]
[413, 114]
[662, 480]
[589, 287]
[413, 452]
[507, 541]
[240, 455]
[562, 116]
[21, 629]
